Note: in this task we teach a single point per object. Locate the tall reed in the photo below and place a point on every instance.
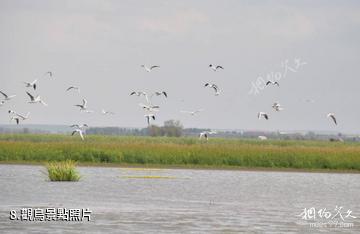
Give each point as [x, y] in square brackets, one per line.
[62, 171]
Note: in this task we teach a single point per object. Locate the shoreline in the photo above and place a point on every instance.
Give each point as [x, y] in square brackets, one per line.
[191, 167]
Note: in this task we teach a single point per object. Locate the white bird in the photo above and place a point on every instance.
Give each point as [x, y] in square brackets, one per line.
[277, 107]
[80, 131]
[148, 69]
[272, 82]
[17, 117]
[104, 112]
[74, 88]
[206, 134]
[215, 68]
[215, 87]
[11, 112]
[150, 108]
[36, 99]
[332, 116]
[148, 117]
[263, 138]
[7, 97]
[23, 117]
[140, 93]
[48, 73]
[31, 84]
[2, 102]
[192, 112]
[160, 93]
[83, 107]
[79, 126]
[88, 111]
[263, 114]
[309, 100]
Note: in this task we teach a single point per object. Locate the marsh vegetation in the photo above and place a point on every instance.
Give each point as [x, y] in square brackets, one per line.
[183, 152]
[62, 171]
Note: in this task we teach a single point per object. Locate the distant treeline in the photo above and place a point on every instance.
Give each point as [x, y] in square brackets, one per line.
[170, 128]
[174, 128]
[19, 129]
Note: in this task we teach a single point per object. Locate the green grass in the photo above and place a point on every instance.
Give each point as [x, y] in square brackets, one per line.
[183, 152]
[62, 171]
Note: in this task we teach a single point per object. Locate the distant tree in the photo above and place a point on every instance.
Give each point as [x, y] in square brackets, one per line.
[172, 128]
[311, 135]
[154, 131]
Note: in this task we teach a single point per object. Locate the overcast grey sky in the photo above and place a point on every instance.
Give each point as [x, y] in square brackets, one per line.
[99, 45]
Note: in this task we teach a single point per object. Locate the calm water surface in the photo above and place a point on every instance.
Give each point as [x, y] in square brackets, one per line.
[180, 201]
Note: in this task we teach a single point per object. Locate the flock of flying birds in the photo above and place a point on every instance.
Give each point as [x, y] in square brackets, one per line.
[277, 107]
[149, 108]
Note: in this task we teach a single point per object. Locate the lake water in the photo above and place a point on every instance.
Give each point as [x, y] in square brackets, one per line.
[180, 201]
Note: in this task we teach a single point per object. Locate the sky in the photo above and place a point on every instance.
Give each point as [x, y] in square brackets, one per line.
[312, 47]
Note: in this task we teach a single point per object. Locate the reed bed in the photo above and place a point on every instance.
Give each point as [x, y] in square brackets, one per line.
[62, 171]
[184, 152]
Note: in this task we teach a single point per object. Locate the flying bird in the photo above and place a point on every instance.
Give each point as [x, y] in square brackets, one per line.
[203, 134]
[277, 107]
[263, 138]
[88, 111]
[263, 114]
[23, 117]
[215, 87]
[140, 93]
[206, 134]
[36, 99]
[49, 73]
[79, 126]
[192, 112]
[73, 88]
[104, 112]
[272, 83]
[215, 68]
[80, 131]
[309, 100]
[149, 117]
[149, 69]
[2, 102]
[31, 84]
[7, 97]
[160, 93]
[332, 116]
[149, 107]
[157, 94]
[17, 117]
[83, 106]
